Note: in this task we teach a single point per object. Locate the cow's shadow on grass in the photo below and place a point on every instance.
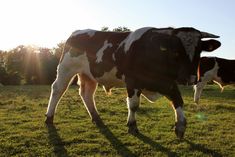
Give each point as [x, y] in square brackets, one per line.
[203, 149]
[124, 151]
[116, 143]
[155, 145]
[56, 141]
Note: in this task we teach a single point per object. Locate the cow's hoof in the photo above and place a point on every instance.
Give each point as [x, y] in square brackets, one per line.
[133, 131]
[132, 128]
[180, 128]
[49, 120]
[196, 102]
[97, 121]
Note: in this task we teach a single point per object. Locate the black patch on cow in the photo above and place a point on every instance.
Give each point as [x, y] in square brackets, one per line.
[121, 61]
[206, 64]
[226, 70]
[164, 86]
[154, 57]
[107, 63]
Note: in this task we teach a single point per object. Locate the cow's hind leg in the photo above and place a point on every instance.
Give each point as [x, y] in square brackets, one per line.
[133, 101]
[86, 91]
[58, 88]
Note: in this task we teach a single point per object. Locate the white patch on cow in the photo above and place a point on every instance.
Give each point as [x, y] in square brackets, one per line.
[68, 68]
[134, 99]
[113, 56]
[109, 79]
[89, 32]
[211, 74]
[132, 103]
[79, 64]
[190, 41]
[151, 96]
[100, 52]
[132, 37]
[123, 42]
[215, 76]
[208, 76]
[197, 91]
[179, 115]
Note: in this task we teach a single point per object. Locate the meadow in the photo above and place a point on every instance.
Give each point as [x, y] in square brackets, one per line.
[210, 129]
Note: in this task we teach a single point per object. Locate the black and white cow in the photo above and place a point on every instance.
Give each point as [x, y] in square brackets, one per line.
[147, 61]
[218, 70]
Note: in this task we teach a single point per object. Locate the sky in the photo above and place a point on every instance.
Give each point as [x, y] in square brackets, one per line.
[46, 23]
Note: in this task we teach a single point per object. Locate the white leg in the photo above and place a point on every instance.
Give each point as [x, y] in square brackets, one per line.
[133, 105]
[180, 122]
[86, 91]
[57, 90]
[179, 115]
[208, 76]
[198, 90]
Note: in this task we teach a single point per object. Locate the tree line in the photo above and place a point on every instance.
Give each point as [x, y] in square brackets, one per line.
[33, 65]
[29, 65]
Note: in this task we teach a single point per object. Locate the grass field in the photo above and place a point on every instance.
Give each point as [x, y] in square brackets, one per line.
[210, 131]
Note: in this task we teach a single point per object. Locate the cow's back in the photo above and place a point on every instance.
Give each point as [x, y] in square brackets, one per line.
[102, 51]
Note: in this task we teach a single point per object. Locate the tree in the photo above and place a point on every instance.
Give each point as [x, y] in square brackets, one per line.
[121, 29]
[105, 29]
[57, 51]
[49, 62]
[118, 29]
[3, 75]
[13, 59]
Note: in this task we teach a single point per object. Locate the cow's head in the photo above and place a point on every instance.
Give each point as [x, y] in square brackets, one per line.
[193, 45]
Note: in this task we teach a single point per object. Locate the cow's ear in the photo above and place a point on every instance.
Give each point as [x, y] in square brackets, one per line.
[210, 45]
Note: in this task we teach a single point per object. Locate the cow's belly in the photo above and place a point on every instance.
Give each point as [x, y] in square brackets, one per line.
[220, 82]
[110, 80]
[151, 96]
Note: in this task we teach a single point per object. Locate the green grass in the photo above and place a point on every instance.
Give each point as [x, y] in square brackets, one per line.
[210, 130]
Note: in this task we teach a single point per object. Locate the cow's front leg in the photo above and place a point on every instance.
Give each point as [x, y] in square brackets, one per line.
[57, 90]
[177, 104]
[86, 91]
[198, 91]
[180, 124]
[133, 101]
